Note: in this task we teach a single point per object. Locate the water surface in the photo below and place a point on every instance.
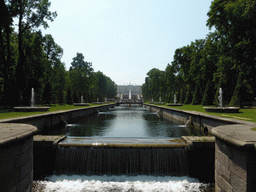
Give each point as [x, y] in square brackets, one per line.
[127, 122]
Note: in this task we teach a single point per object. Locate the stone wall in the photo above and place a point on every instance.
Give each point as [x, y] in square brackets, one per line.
[45, 122]
[16, 157]
[199, 120]
[235, 168]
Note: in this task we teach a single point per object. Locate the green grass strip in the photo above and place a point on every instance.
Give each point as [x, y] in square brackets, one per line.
[10, 113]
[244, 114]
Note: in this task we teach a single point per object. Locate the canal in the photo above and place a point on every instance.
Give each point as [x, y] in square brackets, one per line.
[123, 123]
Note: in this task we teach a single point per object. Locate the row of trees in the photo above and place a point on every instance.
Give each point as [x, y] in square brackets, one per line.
[29, 60]
[226, 58]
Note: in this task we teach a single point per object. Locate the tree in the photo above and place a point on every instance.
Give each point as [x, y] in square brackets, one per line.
[236, 25]
[197, 96]
[75, 96]
[156, 81]
[59, 82]
[188, 98]
[31, 15]
[47, 95]
[81, 74]
[69, 98]
[208, 94]
[243, 94]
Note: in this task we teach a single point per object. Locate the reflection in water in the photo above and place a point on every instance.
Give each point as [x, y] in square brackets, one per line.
[93, 126]
[128, 122]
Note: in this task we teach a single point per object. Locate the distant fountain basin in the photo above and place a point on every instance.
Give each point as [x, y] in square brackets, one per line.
[31, 109]
[174, 104]
[81, 104]
[97, 103]
[159, 103]
[222, 109]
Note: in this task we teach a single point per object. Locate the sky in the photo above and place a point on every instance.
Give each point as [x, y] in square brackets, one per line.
[125, 39]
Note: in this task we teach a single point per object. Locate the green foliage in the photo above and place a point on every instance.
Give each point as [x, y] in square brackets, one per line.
[217, 61]
[29, 59]
[208, 94]
[243, 94]
[197, 96]
[47, 95]
[171, 98]
[61, 99]
[75, 96]
[155, 85]
[189, 97]
[182, 95]
[69, 97]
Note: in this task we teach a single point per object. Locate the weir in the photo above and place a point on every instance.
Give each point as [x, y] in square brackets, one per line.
[115, 156]
[122, 161]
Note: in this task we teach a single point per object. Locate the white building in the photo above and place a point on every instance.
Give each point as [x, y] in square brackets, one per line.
[129, 92]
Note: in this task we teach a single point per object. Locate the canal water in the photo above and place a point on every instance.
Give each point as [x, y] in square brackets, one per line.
[127, 122]
[122, 123]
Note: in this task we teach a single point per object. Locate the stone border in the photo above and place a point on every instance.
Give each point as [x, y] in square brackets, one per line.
[16, 157]
[239, 135]
[199, 142]
[11, 133]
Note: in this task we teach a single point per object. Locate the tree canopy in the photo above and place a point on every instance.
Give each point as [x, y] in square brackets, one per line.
[225, 58]
[29, 59]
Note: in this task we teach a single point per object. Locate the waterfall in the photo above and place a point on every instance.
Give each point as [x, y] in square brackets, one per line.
[120, 161]
[186, 124]
[189, 121]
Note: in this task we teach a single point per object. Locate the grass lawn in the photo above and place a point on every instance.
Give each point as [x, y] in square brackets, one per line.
[245, 114]
[10, 113]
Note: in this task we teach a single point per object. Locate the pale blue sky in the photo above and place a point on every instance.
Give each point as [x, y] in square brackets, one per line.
[125, 39]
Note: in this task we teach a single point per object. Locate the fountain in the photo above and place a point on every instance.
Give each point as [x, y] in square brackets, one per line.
[106, 100]
[98, 102]
[175, 102]
[32, 107]
[220, 108]
[82, 102]
[152, 101]
[160, 101]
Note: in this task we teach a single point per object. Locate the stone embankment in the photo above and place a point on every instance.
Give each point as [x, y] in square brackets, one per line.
[235, 146]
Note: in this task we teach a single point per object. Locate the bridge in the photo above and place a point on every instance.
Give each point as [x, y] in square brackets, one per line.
[129, 102]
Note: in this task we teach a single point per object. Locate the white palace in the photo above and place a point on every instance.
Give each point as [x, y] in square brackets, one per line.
[129, 92]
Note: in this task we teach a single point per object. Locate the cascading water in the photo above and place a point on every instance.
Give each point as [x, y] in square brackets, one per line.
[122, 161]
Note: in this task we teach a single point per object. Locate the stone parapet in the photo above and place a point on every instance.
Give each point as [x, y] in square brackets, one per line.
[235, 155]
[16, 157]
